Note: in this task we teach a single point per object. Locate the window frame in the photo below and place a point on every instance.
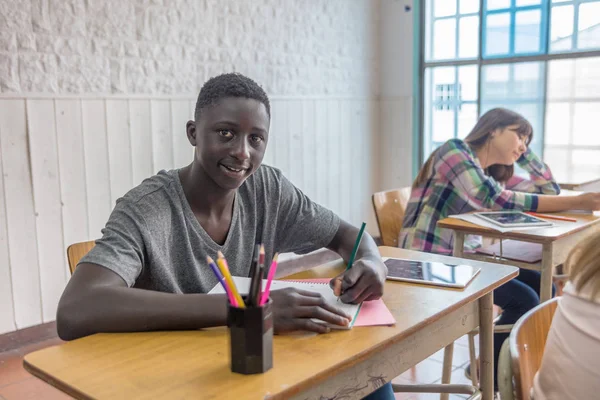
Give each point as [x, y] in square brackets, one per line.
[546, 56]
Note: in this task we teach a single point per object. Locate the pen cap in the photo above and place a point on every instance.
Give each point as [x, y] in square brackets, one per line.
[251, 338]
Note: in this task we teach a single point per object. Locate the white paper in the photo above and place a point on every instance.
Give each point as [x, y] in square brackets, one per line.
[243, 286]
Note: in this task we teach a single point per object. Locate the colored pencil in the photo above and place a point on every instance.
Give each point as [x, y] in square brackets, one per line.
[267, 292]
[255, 279]
[556, 217]
[216, 270]
[227, 275]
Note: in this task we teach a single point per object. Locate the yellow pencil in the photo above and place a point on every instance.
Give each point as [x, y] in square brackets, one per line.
[222, 264]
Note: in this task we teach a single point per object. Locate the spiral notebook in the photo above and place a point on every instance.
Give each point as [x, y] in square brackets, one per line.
[243, 285]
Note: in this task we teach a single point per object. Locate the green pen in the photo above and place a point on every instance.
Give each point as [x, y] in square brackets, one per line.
[355, 249]
[356, 244]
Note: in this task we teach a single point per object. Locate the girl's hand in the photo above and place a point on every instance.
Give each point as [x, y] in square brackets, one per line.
[590, 201]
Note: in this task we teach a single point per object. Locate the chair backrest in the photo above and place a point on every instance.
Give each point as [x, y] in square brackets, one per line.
[527, 342]
[390, 207]
[76, 251]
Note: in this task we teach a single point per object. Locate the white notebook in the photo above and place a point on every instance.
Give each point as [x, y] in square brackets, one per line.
[243, 286]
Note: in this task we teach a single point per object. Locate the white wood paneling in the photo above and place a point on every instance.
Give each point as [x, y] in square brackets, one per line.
[141, 140]
[43, 156]
[83, 154]
[7, 313]
[71, 166]
[396, 143]
[20, 214]
[119, 148]
[97, 176]
[162, 139]
[182, 149]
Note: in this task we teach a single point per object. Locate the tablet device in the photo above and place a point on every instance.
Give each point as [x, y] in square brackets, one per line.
[430, 273]
[508, 219]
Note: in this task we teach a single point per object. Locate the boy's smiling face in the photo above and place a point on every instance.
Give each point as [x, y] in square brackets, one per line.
[230, 139]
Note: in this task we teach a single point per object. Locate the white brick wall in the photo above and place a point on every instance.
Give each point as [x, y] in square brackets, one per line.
[291, 47]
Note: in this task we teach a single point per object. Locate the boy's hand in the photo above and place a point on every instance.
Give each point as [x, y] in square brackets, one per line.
[363, 281]
[294, 308]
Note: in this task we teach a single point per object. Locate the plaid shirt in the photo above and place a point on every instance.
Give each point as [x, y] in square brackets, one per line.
[459, 185]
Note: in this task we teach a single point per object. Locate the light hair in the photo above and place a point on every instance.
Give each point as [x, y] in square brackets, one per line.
[584, 265]
[496, 118]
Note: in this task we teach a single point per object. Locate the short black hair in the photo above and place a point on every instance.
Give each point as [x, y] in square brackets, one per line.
[230, 85]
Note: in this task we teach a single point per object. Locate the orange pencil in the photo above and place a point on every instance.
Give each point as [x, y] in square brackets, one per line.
[556, 217]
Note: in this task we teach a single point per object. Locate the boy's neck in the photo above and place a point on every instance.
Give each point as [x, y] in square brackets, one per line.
[203, 194]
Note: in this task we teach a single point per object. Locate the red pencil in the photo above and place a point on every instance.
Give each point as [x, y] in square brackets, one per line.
[556, 217]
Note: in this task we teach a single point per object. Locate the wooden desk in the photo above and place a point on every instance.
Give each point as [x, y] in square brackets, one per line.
[195, 364]
[556, 242]
[592, 185]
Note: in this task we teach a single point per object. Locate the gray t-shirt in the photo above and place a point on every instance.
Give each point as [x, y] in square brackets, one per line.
[153, 240]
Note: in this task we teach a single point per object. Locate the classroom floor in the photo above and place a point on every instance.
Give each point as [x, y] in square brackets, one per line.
[18, 384]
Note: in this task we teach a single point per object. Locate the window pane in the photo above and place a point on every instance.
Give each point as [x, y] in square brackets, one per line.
[467, 78]
[444, 39]
[497, 4]
[467, 118]
[495, 79]
[585, 127]
[574, 79]
[444, 8]
[585, 164]
[468, 39]
[521, 3]
[497, 34]
[443, 125]
[561, 28]
[558, 124]
[587, 78]
[440, 102]
[559, 162]
[560, 79]
[527, 31]
[528, 80]
[589, 26]
[469, 6]
[519, 87]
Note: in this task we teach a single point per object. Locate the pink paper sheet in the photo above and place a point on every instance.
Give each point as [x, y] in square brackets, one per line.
[372, 313]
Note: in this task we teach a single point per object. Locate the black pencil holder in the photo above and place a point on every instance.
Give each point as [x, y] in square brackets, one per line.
[251, 338]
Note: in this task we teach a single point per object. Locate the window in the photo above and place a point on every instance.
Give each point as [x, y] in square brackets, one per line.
[540, 58]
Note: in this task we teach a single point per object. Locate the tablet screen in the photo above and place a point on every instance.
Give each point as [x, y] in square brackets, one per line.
[430, 272]
[512, 218]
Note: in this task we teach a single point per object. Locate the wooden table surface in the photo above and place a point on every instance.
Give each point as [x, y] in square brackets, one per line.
[195, 364]
[550, 234]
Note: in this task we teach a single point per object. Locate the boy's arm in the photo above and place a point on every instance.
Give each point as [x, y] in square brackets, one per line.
[365, 280]
[97, 299]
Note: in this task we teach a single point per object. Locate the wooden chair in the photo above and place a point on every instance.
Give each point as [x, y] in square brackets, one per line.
[521, 355]
[76, 251]
[389, 208]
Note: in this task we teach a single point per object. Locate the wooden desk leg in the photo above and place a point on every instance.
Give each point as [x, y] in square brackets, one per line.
[459, 244]
[447, 367]
[486, 346]
[547, 267]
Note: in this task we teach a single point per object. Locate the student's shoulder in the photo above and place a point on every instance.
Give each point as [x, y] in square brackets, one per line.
[455, 147]
[152, 191]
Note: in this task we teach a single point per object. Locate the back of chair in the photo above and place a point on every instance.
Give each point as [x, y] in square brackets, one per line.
[76, 251]
[527, 342]
[389, 208]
